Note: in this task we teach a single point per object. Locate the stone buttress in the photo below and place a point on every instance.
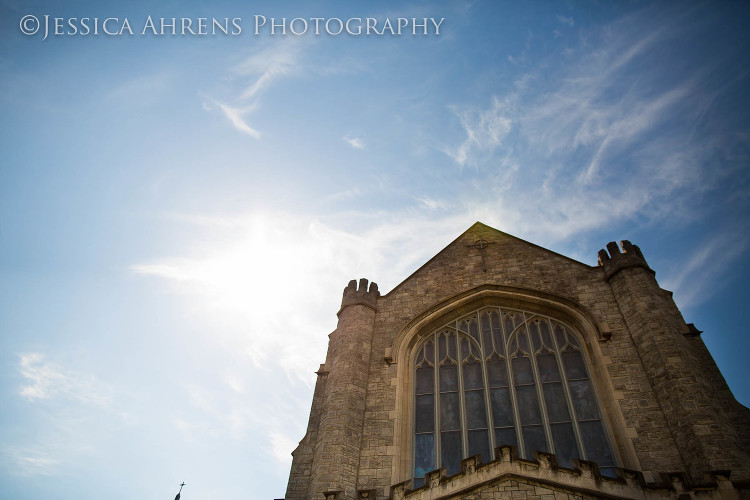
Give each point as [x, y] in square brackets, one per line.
[335, 462]
[677, 365]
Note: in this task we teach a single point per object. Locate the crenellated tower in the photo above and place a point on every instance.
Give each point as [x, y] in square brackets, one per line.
[679, 368]
[341, 418]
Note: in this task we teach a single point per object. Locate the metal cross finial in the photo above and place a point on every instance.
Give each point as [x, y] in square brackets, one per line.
[481, 245]
[179, 492]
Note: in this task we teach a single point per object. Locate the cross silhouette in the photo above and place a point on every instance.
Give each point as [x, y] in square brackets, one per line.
[481, 245]
[179, 492]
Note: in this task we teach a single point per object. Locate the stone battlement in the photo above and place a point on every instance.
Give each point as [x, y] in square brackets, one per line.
[615, 261]
[542, 478]
[361, 295]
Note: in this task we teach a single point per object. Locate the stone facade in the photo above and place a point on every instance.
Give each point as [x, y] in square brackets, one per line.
[675, 429]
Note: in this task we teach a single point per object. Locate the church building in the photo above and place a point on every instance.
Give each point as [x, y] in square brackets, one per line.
[500, 369]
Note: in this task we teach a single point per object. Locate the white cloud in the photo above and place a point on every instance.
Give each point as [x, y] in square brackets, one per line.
[235, 115]
[269, 63]
[578, 147]
[49, 380]
[706, 267]
[354, 142]
[485, 130]
[32, 461]
[73, 414]
[261, 68]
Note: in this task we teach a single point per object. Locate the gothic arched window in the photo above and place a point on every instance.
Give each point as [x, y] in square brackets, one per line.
[501, 376]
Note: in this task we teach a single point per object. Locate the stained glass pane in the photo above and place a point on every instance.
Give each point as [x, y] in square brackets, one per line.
[573, 340]
[522, 373]
[546, 336]
[497, 375]
[509, 326]
[476, 415]
[487, 339]
[556, 402]
[534, 440]
[497, 332]
[448, 378]
[513, 345]
[425, 380]
[425, 416]
[573, 363]
[560, 335]
[465, 348]
[565, 444]
[502, 411]
[523, 341]
[485, 319]
[429, 352]
[507, 436]
[424, 454]
[419, 358]
[583, 400]
[528, 405]
[473, 375]
[595, 443]
[452, 346]
[534, 328]
[547, 364]
[451, 451]
[450, 417]
[442, 351]
[479, 444]
[474, 330]
[463, 326]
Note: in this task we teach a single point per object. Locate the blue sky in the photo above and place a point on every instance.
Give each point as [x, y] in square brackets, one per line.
[179, 214]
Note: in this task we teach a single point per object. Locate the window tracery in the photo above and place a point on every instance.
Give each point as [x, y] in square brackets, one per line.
[501, 376]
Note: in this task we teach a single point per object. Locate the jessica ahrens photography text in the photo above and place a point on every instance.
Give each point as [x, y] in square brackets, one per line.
[48, 25]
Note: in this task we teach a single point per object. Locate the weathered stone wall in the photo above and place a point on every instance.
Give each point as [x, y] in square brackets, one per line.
[519, 264]
[680, 374]
[302, 461]
[337, 448]
[651, 378]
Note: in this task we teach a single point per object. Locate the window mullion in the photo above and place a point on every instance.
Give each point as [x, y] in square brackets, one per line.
[486, 381]
[564, 379]
[461, 393]
[512, 388]
[539, 390]
[436, 408]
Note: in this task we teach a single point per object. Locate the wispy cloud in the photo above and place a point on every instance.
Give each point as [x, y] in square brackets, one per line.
[72, 410]
[268, 64]
[32, 461]
[485, 130]
[235, 116]
[354, 142]
[47, 380]
[707, 266]
[591, 144]
[256, 73]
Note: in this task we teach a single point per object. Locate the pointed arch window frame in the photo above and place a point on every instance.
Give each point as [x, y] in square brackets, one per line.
[586, 415]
